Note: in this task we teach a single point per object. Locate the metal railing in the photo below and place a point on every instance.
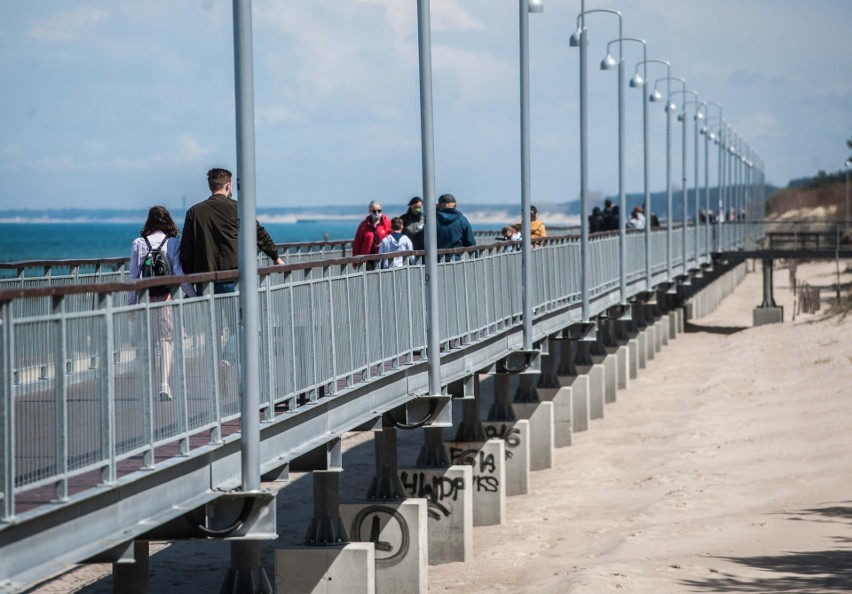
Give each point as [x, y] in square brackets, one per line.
[82, 371]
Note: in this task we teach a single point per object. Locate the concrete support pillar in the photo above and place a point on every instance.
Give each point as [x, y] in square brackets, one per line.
[131, 577]
[339, 569]
[551, 389]
[540, 419]
[569, 376]
[768, 312]
[516, 441]
[399, 534]
[449, 496]
[488, 461]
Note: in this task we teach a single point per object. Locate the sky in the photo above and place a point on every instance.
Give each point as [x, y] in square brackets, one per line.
[127, 104]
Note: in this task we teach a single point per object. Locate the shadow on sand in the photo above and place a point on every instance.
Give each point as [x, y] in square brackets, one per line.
[804, 571]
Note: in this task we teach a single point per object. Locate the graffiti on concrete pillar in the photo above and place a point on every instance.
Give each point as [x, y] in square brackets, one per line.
[508, 433]
[440, 492]
[386, 529]
[484, 467]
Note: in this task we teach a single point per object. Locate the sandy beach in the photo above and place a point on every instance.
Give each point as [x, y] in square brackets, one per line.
[725, 467]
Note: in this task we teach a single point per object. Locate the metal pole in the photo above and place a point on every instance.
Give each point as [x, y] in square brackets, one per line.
[720, 194]
[427, 155]
[622, 198]
[526, 246]
[584, 170]
[848, 162]
[249, 300]
[697, 190]
[668, 188]
[706, 188]
[246, 571]
[684, 191]
[646, 102]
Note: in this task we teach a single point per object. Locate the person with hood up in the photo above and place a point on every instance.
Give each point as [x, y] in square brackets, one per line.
[453, 229]
[371, 232]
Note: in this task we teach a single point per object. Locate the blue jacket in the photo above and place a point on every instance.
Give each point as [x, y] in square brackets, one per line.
[453, 229]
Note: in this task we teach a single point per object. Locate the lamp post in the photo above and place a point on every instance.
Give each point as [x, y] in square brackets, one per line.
[848, 165]
[684, 193]
[670, 107]
[427, 156]
[526, 7]
[708, 136]
[579, 39]
[638, 82]
[608, 63]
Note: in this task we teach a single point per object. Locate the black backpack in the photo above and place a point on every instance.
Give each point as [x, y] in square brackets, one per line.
[157, 264]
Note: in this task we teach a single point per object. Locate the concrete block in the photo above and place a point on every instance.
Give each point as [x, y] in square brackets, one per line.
[488, 460]
[623, 363]
[679, 317]
[642, 338]
[658, 335]
[580, 403]
[672, 324]
[650, 341]
[449, 498]
[516, 439]
[399, 533]
[540, 417]
[337, 569]
[633, 349]
[666, 322]
[767, 315]
[610, 365]
[596, 391]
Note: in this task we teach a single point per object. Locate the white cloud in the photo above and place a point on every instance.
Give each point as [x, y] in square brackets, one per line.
[276, 114]
[68, 26]
[759, 125]
[189, 150]
[482, 78]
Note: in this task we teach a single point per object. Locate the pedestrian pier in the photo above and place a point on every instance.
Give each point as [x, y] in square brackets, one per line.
[95, 463]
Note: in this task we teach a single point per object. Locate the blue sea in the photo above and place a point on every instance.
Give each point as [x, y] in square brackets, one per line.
[64, 240]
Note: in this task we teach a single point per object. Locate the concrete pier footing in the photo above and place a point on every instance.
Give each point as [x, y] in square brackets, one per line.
[541, 420]
[516, 440]
[597, 391]
[488, 461]
[623, 364]
[398, 531]
[332, 569]
[610, 365]
[767, 315]
[449, 495]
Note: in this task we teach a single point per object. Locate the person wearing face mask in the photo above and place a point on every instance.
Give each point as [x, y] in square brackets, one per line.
[413, 222]
[371, 232]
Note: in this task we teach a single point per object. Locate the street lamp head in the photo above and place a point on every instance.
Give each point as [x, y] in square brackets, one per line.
[699, 116]
[680, 117]
[703, 130]
[609, 63]
[671, 106]
[576, 36]
[713, 138]
[655, 96]
[637, 81]
[535, 5]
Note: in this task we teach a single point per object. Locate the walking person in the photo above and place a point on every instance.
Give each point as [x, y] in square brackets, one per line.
[397, 241]
[159, 234]
[537, 228]
[413, 222]
[453, 229]
[210, 244]
[371, 232]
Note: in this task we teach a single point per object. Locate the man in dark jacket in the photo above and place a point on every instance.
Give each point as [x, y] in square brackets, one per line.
[453, 228]
[413, 221]
[209, 240]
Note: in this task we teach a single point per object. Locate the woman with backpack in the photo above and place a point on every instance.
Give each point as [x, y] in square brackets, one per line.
[157, 253]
